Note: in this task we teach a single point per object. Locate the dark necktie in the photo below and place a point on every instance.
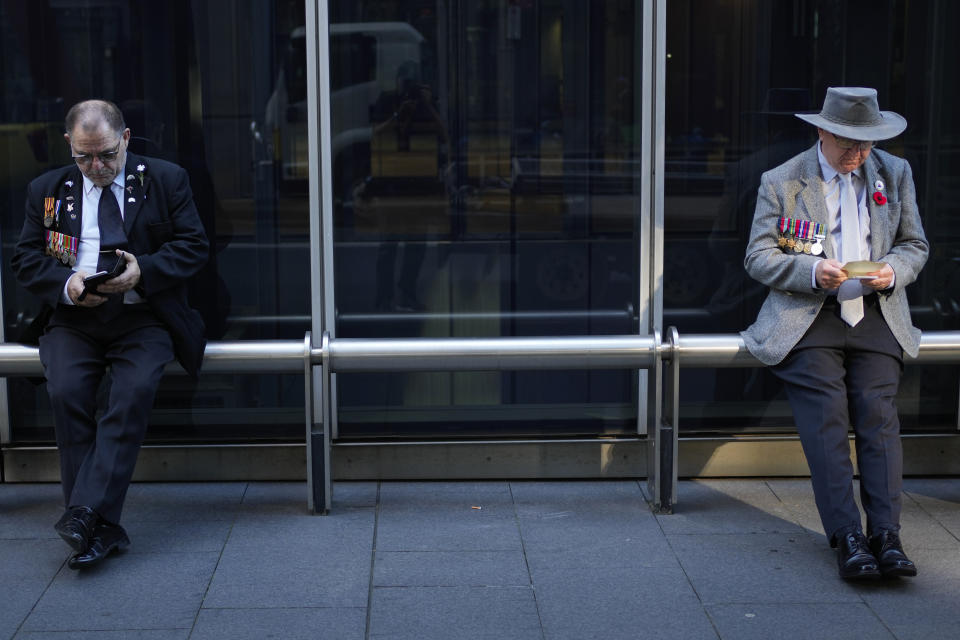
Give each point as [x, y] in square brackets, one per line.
[112, 237]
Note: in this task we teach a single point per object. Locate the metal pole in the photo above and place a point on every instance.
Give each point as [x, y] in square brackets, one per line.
[491, 354]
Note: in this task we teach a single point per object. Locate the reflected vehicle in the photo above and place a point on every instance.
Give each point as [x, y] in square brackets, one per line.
[369, 56]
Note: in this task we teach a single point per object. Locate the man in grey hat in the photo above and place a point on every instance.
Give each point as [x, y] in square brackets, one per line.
[837, 238]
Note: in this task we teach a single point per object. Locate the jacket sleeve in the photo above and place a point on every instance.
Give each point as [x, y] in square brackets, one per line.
[42, 275]
[181, 247]
[765, 261]
[910, 247]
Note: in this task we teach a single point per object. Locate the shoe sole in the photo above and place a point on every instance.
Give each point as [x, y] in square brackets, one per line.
[899, 572]
[119, 547]
[869, 576]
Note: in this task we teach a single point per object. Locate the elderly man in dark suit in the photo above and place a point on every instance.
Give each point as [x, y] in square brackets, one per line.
[837, 238]
[110, 211]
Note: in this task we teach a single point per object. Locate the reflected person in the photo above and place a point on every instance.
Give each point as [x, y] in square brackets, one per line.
[837, 342]
[110, 208]
[409, 167]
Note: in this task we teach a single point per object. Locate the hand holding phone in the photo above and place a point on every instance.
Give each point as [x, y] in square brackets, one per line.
[91, 282]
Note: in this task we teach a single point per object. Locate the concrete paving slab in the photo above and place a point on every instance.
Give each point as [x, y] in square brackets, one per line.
[569, 516]
[728, 506]
[619, 602]
[291, 497]
[853, 621]
[448, 527]
[442, 613]
[923, 607]
[282, 624]
[636, 556]
[935, 495]
[450, 569]
[761, 568]
[295, 561]
[178, 537]
[27, 567]
[182, 501]
[126, 634]
[494, 498]
[537, 497]
[28, 511]
[132, 591]
[797, 496]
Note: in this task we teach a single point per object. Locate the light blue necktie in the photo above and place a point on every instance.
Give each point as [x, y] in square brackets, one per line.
[851, 310]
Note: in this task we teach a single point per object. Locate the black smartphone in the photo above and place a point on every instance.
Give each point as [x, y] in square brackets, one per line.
[91, 282]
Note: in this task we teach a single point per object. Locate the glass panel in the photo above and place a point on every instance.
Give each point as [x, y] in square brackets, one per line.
[736, 73]
[485, 155]
[219, 88]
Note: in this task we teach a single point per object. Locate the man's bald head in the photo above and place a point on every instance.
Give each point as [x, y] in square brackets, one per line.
[90, 115]
[98, 139]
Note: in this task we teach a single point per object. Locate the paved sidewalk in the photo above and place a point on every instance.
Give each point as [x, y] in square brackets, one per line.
[459, 560]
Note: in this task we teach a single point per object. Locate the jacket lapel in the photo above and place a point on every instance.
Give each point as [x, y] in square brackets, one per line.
[71, 204]
[133, 191]
[812, 195]
[879, 220]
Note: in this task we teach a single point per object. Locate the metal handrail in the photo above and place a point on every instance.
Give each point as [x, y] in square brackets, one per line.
[477, 354]
[487, 354]
[728, 350]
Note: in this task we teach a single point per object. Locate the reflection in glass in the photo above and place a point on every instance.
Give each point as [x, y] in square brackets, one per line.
[730, 104]
[484, 186]
[225, 99]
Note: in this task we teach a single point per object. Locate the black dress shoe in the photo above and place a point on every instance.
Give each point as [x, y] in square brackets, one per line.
[854, 557]
[893, 561]
[76, 526]
[106, 539]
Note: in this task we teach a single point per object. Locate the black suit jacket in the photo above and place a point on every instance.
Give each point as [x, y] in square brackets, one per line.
[163, 230]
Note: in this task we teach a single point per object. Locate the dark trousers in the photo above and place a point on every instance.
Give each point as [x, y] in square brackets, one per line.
[840, 376]
[98, 456]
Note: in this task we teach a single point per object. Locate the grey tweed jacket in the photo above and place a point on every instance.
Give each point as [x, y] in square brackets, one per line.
[795, 190]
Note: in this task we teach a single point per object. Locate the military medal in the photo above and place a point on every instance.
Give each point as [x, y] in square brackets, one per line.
[48, 207]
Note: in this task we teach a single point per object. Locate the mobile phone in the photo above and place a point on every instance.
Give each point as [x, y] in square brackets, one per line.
[91, 282]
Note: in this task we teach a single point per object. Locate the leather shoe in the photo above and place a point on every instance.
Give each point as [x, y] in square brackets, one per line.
[106, 539]
[889, 552]
[76, 525]
[854, 558]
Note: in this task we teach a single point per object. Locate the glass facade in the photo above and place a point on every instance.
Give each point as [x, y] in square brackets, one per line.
[736, 73]
[485, 184]
[486, 181]
[212, 86]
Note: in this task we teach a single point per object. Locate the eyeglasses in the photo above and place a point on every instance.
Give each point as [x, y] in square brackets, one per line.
[850, 143]
[106, 157]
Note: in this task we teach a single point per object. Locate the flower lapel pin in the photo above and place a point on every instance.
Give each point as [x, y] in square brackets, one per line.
[878, 196]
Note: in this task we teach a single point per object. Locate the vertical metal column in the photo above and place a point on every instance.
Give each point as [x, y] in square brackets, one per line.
[661, 467]
[667, 430]
[319, 485]
[319, 414]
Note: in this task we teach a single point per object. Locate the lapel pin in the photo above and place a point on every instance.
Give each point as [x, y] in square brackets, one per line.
[878, 185]
[131, 200]
[69, 183]
[69, 207]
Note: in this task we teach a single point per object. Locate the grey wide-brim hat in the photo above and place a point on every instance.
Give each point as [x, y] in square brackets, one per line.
[853, 112]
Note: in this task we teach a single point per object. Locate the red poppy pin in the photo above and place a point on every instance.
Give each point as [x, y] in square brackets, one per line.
[878, 196]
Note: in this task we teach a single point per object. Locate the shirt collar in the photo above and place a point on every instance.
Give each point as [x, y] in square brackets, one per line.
[89, 186]
[828, 172]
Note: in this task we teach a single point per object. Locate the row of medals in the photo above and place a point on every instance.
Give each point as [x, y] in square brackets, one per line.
[801, 245]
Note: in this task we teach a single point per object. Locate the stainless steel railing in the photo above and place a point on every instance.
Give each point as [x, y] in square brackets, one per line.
[662, 358]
